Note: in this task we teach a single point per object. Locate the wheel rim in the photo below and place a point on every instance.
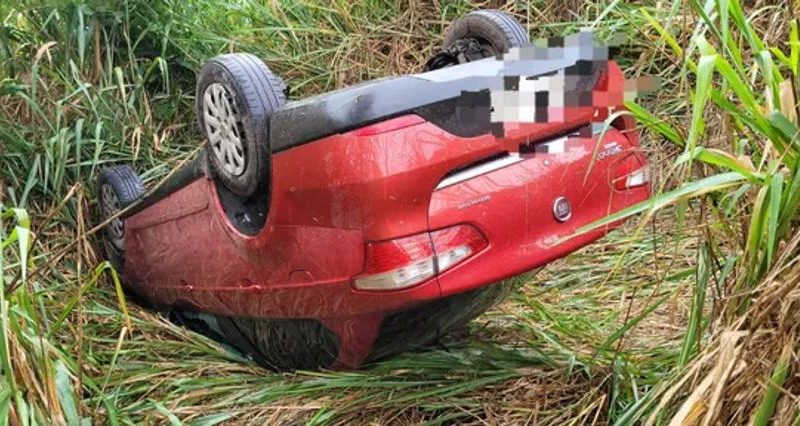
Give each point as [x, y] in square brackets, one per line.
[462, 51]
[110, 205]
[486, 47]
[223, 128]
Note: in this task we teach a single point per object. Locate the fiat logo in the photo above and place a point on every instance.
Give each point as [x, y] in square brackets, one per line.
[562, 210]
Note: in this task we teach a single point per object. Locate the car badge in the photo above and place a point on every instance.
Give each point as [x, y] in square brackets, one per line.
[562, 210]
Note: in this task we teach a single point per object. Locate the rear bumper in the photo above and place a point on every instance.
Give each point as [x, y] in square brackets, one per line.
[514, 207]
[522, 253]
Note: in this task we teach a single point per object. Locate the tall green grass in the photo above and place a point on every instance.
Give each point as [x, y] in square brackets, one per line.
[36, 380]
[741, 148]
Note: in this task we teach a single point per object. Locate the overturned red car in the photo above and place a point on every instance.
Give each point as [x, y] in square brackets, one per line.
[360, 223]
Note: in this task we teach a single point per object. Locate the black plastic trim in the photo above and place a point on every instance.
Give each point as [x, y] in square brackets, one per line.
[187, 174]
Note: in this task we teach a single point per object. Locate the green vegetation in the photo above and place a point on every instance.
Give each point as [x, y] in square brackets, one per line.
[688, 314]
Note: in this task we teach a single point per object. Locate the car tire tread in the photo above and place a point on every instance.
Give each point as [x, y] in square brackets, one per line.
[128, 187]
[494, 26]
[258, 92]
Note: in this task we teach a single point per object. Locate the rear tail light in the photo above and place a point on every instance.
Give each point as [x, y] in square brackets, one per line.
[404, 262]
[397, 263]
[630, 171]
[636, 178]
[455, 244]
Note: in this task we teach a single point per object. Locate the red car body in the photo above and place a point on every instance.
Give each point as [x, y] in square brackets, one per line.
[334, 199]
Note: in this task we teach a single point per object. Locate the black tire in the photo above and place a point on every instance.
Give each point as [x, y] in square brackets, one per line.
[477, 35]
[306, 344]
[117, 188]
[253, 92]
[491, 28]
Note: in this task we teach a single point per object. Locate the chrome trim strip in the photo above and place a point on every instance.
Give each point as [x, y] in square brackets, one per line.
[480, 169]
[559, 145]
